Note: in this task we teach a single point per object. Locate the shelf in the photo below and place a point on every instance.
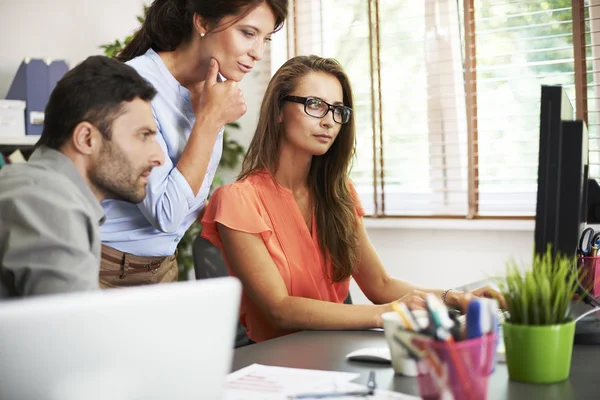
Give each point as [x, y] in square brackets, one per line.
[19, 140]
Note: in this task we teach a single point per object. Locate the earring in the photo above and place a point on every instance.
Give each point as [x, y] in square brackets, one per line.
[202, 35]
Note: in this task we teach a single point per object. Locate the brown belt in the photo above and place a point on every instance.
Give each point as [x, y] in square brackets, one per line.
[133, 264]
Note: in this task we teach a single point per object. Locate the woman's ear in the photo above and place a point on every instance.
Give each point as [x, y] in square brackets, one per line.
[200, 25]
[84, 138]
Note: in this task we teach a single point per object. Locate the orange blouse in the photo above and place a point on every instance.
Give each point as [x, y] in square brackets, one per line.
[259, 205]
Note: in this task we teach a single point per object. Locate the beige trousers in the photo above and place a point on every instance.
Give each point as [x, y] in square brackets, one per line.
[118, 269]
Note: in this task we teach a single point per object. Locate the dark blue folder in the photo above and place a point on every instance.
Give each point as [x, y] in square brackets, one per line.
[34, 81]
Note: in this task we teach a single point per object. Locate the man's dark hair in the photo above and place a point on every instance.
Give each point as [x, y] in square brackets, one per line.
[93, 91]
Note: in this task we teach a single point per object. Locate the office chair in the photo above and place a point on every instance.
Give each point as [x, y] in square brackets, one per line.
[208, 263]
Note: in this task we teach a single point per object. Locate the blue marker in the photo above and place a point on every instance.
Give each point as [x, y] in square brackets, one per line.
[477, 319]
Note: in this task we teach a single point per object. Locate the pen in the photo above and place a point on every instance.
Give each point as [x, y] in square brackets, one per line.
[371, 385]
[455, 330]
[332, 395]
[406, 316]
[418, 327]
[441, 325]
[414, 352]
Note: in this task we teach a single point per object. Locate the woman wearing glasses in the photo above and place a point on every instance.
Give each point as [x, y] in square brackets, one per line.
[290, 228]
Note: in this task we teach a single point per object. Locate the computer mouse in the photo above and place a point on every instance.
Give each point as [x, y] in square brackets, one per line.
[371, 354]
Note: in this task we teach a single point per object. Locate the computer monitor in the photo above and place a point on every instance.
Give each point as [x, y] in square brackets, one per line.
[563, 195]
[555, 107]
[572, 182]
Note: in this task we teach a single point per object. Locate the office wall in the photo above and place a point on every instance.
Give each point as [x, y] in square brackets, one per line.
[446, 258]
[60, 29]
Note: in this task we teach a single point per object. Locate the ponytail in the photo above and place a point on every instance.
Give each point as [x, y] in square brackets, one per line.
[166, 25]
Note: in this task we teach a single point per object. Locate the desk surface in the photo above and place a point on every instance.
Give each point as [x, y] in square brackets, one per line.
[326, 350]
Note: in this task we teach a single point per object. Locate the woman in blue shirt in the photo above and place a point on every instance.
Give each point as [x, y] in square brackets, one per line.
[194, 52]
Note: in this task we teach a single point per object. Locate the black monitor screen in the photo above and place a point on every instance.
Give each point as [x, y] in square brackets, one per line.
[555, 107]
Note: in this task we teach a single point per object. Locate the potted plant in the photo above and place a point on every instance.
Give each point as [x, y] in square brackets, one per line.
[539, 331]
[233, 153]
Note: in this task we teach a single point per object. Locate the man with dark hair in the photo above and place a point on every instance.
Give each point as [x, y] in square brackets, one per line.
[98, 143]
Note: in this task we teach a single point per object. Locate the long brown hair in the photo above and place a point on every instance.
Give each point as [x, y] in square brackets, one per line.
[335, 207]
[169, 23]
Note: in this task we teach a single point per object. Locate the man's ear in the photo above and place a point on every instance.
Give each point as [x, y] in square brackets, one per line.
[85, 138]
[200, 25]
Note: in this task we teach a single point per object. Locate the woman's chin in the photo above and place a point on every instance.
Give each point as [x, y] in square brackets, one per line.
[235, 76]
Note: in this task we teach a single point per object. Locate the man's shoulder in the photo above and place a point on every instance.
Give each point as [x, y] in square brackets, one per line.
[25, 181]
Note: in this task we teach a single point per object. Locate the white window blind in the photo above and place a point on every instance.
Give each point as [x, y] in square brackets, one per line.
[520, 45]
[591, 41]
[445, 129]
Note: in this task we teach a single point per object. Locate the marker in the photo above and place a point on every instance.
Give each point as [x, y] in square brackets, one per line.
[439, 320]
[478, 318]
[406, 316]
[414, 352]
[494, 327]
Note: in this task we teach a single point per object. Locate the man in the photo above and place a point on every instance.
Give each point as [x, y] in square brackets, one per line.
[98, 142]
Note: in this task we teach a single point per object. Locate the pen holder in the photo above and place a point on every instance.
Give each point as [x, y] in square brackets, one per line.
[455, 370]
[589, 274]
[392, 325]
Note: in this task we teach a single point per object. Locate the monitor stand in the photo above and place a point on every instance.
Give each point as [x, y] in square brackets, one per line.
[587, 329]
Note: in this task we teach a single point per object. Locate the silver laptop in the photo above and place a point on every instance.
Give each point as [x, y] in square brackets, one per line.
[169, 341]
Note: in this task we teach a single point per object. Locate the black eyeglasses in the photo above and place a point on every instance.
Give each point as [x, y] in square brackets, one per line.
[318, 108]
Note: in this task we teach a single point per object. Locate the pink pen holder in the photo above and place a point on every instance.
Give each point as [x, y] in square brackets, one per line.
[455, 370]
[589, 274]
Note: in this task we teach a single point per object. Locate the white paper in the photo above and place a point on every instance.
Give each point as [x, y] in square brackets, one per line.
[379, 393]
[261, 382]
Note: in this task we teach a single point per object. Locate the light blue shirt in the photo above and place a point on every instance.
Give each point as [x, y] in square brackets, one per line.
[155, 226]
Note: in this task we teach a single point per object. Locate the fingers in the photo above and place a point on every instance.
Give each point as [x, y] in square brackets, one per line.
[486, 291]
[501, 300]
[463, 302]
[490, 293]
[224, 101]
[415, 300]
[213, 72]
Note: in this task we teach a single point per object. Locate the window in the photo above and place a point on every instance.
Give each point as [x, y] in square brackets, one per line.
[447, 101]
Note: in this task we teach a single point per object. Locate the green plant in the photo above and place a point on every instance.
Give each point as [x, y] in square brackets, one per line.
[232, 154]
[231, 157]
[114, 48]
[542, 294]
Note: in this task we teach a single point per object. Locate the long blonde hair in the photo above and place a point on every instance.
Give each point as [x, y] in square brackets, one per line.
[335, 207]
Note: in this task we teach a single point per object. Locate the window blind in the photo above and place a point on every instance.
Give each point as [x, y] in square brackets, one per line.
[404, 62]
[447, 96]
[520, 45]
